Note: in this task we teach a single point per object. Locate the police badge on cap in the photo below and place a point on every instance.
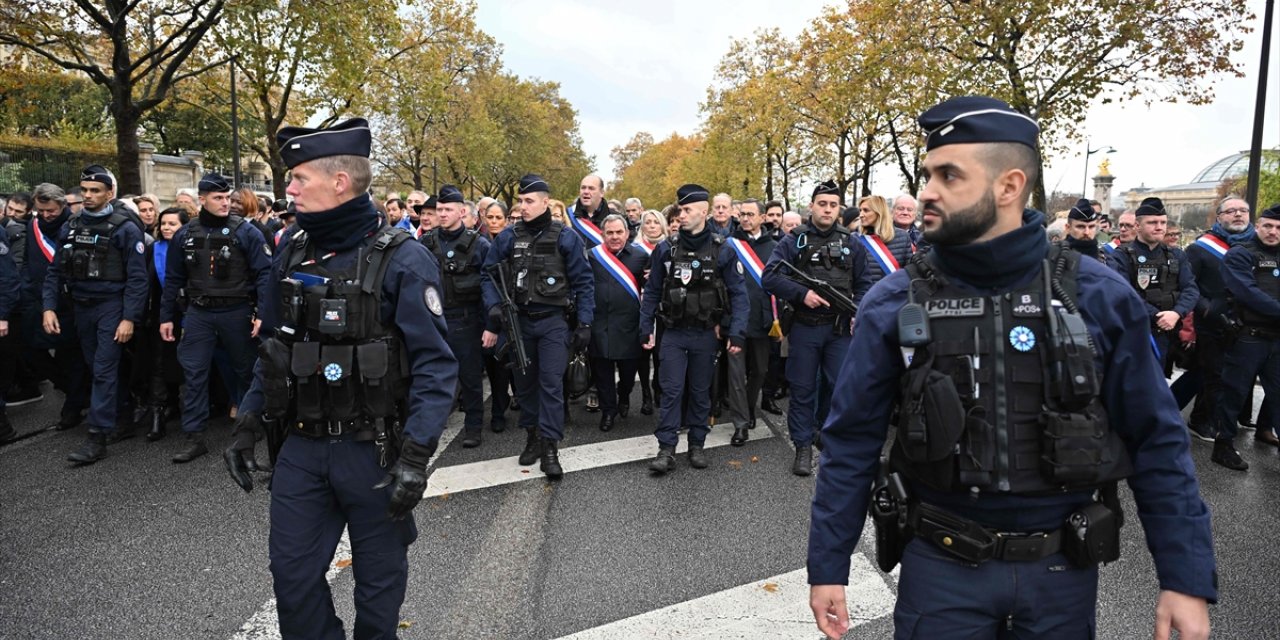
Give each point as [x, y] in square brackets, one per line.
[1082, 211]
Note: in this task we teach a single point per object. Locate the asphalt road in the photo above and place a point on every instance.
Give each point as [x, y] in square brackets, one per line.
[135, 547]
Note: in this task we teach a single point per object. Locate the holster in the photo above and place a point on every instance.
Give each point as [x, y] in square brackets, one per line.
[888, 515]
[274, 432]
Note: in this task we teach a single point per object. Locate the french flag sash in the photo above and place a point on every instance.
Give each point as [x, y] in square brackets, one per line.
[1216, 246]
[619, 271]
[876, 247]
[750, 261]
[46, 245]
[1110, 247]
[645, 246]
[586, 227]
[279, 234]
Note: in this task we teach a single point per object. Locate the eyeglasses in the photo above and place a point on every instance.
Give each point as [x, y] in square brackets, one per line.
[1127, 225]
[1235, 210]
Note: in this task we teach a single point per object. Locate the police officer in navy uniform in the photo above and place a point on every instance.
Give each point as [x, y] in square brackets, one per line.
[1031, 390]
[102, 265]
[460, 252]
[357, 380]
[550, 277]
[819, 335]
[1251, 273]
[9, 287]
[694, 279]
[1082, 231]
[219, 267]
[1161, 275]
[618, 267]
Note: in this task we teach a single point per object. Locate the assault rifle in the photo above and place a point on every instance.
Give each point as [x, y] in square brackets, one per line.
[839, 301]
[517, 358]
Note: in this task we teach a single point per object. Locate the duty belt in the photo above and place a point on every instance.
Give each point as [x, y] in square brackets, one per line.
[538, 315]
[1265, 334]
[975, 543]
[212, 302]
[362, 428]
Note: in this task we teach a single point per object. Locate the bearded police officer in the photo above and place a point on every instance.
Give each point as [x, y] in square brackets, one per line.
[819, 334]
[549, 278]
[1161, 275]
[357, 380]
[1025, 387]
[101, 264]
[694, 279]
[220, 271]
[460, 252]
[1082, 231]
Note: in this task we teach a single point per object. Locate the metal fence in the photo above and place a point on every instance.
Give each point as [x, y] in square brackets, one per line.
[23, 167]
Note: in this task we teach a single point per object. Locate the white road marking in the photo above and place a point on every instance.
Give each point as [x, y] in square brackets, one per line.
[492, 473]
[776, 607]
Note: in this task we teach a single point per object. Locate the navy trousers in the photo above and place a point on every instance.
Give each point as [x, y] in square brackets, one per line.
[464, 341]
[541, 388]
[687, 354]
[97, 325]
[814, 349]
[1248, 358]
[203, 331]
[319, 487]
[612, 392]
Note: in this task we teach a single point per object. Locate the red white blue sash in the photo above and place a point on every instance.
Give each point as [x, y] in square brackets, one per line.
[1110, 247]
[747, 256]
[586, 227]
[619, 271]
[645, 246]
[279, 234]
[47, 247]
[876, 247]
[1216, 246]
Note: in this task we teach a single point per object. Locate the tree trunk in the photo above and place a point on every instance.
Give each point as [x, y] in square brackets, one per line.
[128, 173]
[1037, 196]
[278, 168]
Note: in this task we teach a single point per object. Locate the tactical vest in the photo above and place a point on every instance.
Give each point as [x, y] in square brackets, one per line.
[1156, 280]
[87, 254]
[1005, 397]
[343, 362]
[1266, 272]
[461, 280]
[693, 293]
[826, 259]
[217, 266]
[17, 232]
[539, 268]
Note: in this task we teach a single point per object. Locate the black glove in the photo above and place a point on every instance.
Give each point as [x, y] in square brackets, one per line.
[410, 477]
[239, 456]
[581, 338]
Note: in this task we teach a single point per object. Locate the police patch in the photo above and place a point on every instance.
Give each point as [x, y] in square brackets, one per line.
[1028, 306]
[739, 264]
[225, 231]
[1142, 258]
[432, 298]
[266, 248]
[1022, 339]
[696, 264]
[956, 307]
[333, 372]
[141, 248]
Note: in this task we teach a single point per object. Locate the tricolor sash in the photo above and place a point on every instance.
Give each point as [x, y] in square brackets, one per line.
[876, 247]
[47, 247]
[1110, 247]
[1216, 246]
[645, 245]
[279, 234]
[619, 271]
[750, 261]
[586, 227]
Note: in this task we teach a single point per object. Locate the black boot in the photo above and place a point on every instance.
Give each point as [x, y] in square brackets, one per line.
[69, 419]
[769, 405]
[532, 448]
[606, 422]
[646, 402]
[471, 438]
[498, 423]
[551, 460]
[804, 461]
[664, 461]
[7, 432]
[624, 408]
[93, 449]
[740, 436]
[195, 448]
[698, 457]
[1225, 454]
[159, 416]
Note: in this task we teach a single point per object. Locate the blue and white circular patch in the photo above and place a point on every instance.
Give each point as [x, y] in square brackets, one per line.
[450, 254]
[551, 280]
[1142, 258]
[1022, 339]
[1275, 272]
[332, 372]
[225, 231]
[844, 250]
[696, 264]
[140, 248]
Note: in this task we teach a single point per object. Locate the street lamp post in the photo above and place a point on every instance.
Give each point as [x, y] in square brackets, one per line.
[1084, 185]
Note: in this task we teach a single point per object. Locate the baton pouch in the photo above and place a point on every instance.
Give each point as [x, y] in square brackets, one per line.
[304, 363]
[372, 359]
[335, 365]
[1091, 536]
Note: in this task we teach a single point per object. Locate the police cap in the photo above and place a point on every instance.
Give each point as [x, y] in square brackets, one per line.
[533, 183]
[977, 119]
[1272, 212]
[213, 183]
[98, 173]
[691, 193]
[450, 193]
[429, 204]
[348, 138]
[828, 188]
[1082, 211]
[1150, 207]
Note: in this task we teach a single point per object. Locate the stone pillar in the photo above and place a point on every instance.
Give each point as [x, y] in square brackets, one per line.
[258, 172]
[1102, 191]
[197, 166]
[146, 166]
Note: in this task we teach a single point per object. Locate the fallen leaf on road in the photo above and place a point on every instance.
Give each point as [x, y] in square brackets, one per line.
[444, 496]
[343, 564]
[755, 458]
[404, 624]
[735, 464]
[771, 587]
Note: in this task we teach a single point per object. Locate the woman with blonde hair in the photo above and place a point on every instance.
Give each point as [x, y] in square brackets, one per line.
[887, 250]
[557, 211]
[652, 230]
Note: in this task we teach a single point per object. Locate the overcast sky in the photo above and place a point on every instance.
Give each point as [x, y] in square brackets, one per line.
[645, 66]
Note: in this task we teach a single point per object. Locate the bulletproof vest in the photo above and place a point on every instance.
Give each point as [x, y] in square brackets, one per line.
[343, 362]
[1266, 272]
[1005, 397]
[693, 293]
[461, 279]
[826, 259]
[541, 276]
[87, 254]
[217, 266]
[1155, 277]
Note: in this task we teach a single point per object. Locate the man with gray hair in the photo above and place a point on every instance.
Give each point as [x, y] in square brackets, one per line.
[634, 210]
[721, 220]
[904, 220]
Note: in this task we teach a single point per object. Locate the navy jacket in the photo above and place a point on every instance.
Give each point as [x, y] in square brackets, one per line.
[789, 249]
[1188, 293]
[1242, 282]
[479, 251]
[10, 281]
[900, 247]
[131, 242]
[660, 261]
[615, 332]
[432, 367]
[256, 252]
[1206, 269]
[760, 316]
[581, 283]
[1139, 404]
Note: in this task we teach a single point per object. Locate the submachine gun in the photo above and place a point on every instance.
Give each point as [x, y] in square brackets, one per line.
[517, 357]
[839, 301]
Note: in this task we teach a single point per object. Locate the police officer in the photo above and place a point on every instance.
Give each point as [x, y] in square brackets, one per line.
[618, 267]
[9, 287]
[549, 277]
[460, 252]
[752, 245]
[1251, 273]
[18, 384]
[1082, 231]
[101, 263]
[1161, 275]
[360, 347]
[1035, 347]
[819, 335]
[220, 267]
[693, 281]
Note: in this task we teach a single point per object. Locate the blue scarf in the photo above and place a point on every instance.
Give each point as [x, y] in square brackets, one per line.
[342, 227]
[1001, 262]
[1234, 238]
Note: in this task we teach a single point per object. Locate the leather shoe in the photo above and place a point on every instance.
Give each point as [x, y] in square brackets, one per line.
[93, 450]
[532, 448]
[1225, 454]
[195, 449]
[498, 423]
[646, 406]
[664, 461]
[740, 436]
[1266, 436]
[698, 457]
[769, 405]
[470, 438]
[624, 408]
[804, 461]
[606, 422]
